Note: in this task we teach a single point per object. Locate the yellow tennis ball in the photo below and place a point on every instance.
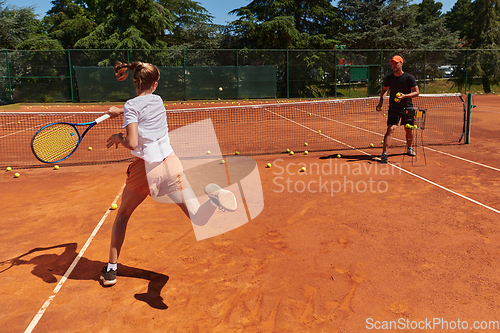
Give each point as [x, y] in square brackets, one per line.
[113, 206]
[8, 169]
[306, 152]
[90, 148]
[319, 131]
[291, 153]
[303, 169]
[396, 100]
[17, 175]
[236, 153]
[382, 142]
[339, 156]
[268, 165]
[306, 144]
[56, 167]
[398, 95]
[208, 152]
[288, 150]
[222, 161]
[371, 144]
[220, 88]
[384, 114]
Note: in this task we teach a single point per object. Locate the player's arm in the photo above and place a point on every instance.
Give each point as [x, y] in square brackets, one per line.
[383, 93]
[114, 111]
[130, 140]
[414, 93]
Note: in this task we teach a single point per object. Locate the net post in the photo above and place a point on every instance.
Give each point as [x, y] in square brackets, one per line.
[470, 106]
[425, 68]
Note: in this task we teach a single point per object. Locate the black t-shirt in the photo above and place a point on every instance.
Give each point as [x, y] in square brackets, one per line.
[402, 84]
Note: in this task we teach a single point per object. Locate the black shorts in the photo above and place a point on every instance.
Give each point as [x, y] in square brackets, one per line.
[405, 116]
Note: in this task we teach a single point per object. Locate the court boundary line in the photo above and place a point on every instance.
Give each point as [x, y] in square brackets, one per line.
[56, 290]
[398, 167]
[397, 139]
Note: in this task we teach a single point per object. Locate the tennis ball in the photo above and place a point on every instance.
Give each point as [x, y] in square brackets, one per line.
[222, 161]
[113, 206]
[371, 144]
[306, 152]
[303, 169]
[8, 168]
[382, 142]
[236, 153]
[339, 156]
[56, 167]
[268, 165]
[384, 114]
[306, 144]
[398, 95]
[396, 100]
[379, 108]
[19, 122]
[17, 175]
[319, 131]
[407, 125]
[310, 114]
[288, 150]
[291, 153]
[220, 88]
[90, 148]
[208, 152]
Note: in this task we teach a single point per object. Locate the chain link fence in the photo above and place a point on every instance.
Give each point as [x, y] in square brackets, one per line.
[87, 75]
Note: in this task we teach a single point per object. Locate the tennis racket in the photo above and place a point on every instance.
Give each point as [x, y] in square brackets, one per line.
[57, 141]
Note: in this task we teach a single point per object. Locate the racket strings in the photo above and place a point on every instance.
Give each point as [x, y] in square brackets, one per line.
[55, 142]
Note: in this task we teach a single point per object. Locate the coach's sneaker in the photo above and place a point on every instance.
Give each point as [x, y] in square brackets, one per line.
[411, 152]
[108, 278]
[223, 198]
[383, 158]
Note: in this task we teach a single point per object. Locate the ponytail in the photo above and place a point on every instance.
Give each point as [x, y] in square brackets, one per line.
[144, 76]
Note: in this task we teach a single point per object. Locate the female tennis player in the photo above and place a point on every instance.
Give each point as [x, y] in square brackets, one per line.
[145, 123]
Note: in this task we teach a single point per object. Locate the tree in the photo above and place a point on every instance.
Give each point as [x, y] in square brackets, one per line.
[68, 22]
[428, 11]
[459, 17]
[129, 24]
[284, 24]
[483, 34]
[16, 25]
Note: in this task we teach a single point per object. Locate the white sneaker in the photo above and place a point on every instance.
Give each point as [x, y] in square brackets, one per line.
[223, 198]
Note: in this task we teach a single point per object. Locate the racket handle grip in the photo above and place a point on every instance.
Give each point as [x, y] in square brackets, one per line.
[101, 118]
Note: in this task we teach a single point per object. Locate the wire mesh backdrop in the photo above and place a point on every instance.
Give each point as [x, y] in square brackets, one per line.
[87, 75]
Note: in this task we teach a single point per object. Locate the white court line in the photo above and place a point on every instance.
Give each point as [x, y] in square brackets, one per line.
[45, 305]
[425, 147]
[397, 167]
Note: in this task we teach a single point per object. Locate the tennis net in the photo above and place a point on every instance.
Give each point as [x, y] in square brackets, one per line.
[268, 128]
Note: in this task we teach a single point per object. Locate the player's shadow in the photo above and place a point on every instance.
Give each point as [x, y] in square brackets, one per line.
[49, 265]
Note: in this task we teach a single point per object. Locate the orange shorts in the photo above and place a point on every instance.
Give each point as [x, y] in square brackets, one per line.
[137, 180]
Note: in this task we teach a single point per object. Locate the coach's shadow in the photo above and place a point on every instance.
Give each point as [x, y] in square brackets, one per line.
[49, 265]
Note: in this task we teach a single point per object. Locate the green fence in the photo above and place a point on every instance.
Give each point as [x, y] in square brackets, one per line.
[86, 75]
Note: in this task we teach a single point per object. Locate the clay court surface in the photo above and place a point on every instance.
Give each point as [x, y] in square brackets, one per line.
[422, 243]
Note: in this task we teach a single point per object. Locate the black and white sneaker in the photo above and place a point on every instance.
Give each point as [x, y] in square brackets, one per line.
[108, 278]
[224, 199]
[383, 158]
[410, 152]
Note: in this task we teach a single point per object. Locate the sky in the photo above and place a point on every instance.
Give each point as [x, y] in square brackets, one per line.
[217, 8]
